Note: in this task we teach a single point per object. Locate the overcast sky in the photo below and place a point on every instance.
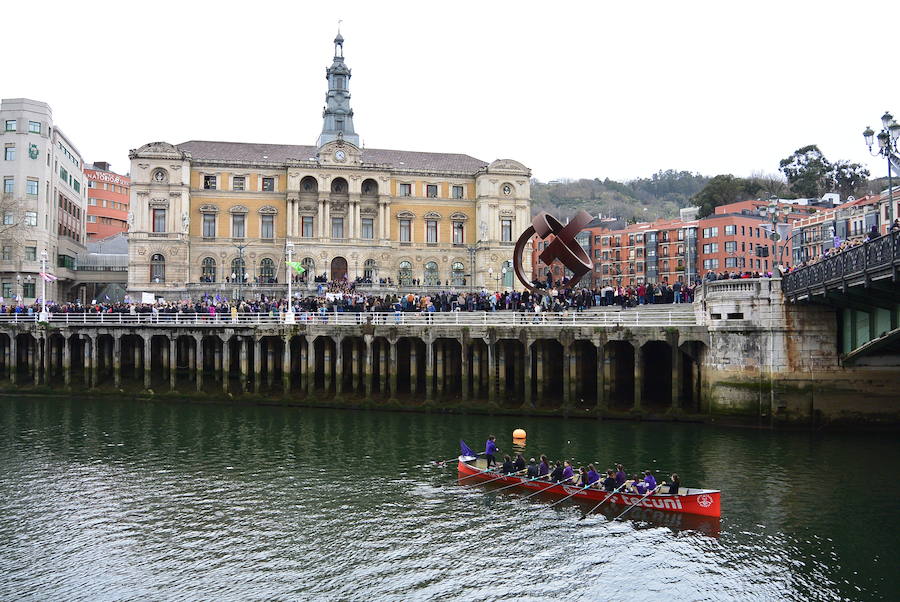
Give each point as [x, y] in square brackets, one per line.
[594, 89]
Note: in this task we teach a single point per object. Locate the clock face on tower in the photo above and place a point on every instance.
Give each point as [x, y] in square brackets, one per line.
[340, 155]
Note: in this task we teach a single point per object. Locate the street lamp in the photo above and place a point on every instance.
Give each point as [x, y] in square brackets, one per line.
[773, 214]
[44, 315]
[243, 269]
[289, 315]
[887, 148]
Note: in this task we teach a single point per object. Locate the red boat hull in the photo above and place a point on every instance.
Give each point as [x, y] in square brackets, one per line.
[700, 502]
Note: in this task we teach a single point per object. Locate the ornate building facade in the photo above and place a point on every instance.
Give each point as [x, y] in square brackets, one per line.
[218, 217]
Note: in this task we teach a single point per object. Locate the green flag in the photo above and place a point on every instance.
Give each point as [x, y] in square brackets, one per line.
[296, 265]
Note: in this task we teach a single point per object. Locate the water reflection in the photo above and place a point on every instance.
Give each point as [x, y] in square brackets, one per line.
[102, 499]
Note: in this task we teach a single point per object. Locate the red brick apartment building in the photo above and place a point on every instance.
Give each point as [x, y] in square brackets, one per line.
[681, 249]
[108, 199]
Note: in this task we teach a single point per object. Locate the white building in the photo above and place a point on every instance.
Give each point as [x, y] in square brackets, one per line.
[42, 205]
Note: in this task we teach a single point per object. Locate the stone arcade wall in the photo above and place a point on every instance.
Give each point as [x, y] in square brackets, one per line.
[751, 357]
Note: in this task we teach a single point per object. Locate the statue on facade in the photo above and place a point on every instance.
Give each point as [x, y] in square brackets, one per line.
[185, 222]
[130, 221]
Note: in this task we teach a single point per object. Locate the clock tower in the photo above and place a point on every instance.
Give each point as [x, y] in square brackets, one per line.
[338, 116]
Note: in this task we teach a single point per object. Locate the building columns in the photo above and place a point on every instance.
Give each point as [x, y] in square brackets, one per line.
[287, 367]
[638, 376]
[526, 367]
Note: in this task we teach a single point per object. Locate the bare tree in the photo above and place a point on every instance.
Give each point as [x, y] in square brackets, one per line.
[771, 183]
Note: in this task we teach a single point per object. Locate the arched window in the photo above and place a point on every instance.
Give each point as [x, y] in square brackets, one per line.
[339, 185]
[369, 187]
[238, 270]
[309, 184]
[309, 269]
[209, 270]
[405, 275]
[508, 274]
[157, 268]
[266, 271]
[458, 274]
[431, 273]
[369, 269]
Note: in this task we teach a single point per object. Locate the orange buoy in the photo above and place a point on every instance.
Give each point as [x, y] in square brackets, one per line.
[519, 434]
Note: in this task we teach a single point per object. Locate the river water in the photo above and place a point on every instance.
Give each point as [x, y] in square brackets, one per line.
[119, 500]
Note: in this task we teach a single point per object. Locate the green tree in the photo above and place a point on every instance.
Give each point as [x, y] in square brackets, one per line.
[808, 172]
[722, 190]
[848, 177]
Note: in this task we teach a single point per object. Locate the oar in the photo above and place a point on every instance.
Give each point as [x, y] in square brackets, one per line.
[612, 493]
[492, 480]
[439, 462]
[570, 495]
[546, 488]
[649, 493]
[517, 484]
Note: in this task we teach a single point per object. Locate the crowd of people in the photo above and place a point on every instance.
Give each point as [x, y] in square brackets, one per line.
[343, 296]
[841, 246]
[563, 471]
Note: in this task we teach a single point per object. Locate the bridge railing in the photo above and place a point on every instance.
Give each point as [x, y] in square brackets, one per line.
[486, 318]
[856, 262]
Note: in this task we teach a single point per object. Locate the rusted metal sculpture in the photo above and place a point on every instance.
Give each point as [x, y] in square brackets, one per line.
[563, 247]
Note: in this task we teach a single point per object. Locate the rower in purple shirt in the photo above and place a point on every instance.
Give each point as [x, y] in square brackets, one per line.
[650, 480]
[592, 475]
[568, 473]
[621, 477]
[544, 468]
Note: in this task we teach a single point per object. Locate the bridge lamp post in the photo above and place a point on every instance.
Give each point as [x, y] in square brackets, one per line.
[772, 212]
[887, 148]
[44, 315]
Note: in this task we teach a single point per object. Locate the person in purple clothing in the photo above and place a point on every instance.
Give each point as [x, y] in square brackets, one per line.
[592, 476]
[621, 477]
[490, 448]
[544, 468]
[639, 486]
[650, 480]
[568, 473]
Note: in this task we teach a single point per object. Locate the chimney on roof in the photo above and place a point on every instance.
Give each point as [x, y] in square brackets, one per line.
[101, 165]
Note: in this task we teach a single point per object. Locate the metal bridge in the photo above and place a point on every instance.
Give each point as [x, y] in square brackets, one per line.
[862, 284]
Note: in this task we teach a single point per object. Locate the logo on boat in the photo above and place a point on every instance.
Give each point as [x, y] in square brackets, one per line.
[705, 500]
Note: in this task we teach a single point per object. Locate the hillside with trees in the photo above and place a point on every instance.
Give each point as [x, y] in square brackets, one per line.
[643, 199]
[806, 173]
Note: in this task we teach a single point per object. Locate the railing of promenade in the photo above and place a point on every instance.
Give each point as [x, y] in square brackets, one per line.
[499, 318]
[855, 262]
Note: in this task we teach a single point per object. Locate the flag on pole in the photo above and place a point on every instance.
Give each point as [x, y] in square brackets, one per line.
[296, 265]
[48, 277]
[466, 450]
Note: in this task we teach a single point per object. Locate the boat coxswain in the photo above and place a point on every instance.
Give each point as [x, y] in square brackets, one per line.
[490, 448]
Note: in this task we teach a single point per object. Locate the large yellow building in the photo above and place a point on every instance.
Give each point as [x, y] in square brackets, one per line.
[219, 217]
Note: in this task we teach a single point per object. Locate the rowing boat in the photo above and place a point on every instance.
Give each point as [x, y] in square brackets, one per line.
[701, 502]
